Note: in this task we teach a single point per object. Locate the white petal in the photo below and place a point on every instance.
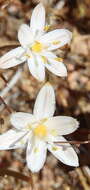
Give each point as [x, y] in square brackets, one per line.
[56, 38]
[25, 35]
[62, 124]
[52, 138]
[36, 67]
[45, 102]
[56, 67]
[49, 55]
[36, 155]
[21, 120]
[12, 58]
[65, 153]
[38, 19]
[12, 139]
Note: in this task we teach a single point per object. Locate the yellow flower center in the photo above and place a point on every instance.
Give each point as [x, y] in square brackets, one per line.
[40, 131]
[37, 47]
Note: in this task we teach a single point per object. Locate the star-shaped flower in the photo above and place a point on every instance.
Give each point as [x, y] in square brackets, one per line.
[37, 46]
[40, 132]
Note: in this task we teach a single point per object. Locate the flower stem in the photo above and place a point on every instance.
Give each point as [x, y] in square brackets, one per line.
[73, 142]
[10, 45]
[7, 107]
[4, 79]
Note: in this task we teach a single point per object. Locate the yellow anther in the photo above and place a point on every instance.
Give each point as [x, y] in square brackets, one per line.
[54, 132]
[29, 127]
[22, 141]
[36, 150]
[54, 148]
[43, 120]
[58, 59]
[46, 28]
[37, 47]
[44, 59]
[40, 131]
[56, 42]
[27, 55]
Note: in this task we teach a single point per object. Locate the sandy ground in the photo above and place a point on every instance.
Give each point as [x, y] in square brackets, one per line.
[72, 93]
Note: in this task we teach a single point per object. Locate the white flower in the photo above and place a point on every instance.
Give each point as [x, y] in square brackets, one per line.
[37, 46]
[40, 132]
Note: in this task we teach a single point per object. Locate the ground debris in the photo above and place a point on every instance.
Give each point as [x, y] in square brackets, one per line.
[72, 93]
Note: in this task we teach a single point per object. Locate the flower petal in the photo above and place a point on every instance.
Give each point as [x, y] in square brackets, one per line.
[62, 124]
[65, 153]
[12, 139]
[36, 67]
[38, 19]
[36, 155]
[49, 55]
[56, 67]
[25, 35]
[45, 102]
[21, 120]
[56, 38]
[12, 58]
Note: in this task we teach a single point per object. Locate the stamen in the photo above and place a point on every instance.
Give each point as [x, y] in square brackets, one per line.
[56, 42]
[54, 132]
[43, 120]
[54, 148]
[58, 59]
[28, 127]
[27, 55]
[40, 131]
[36, 150]
[22, 141]
[44, 59]
[46, 28]
[37, 47]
